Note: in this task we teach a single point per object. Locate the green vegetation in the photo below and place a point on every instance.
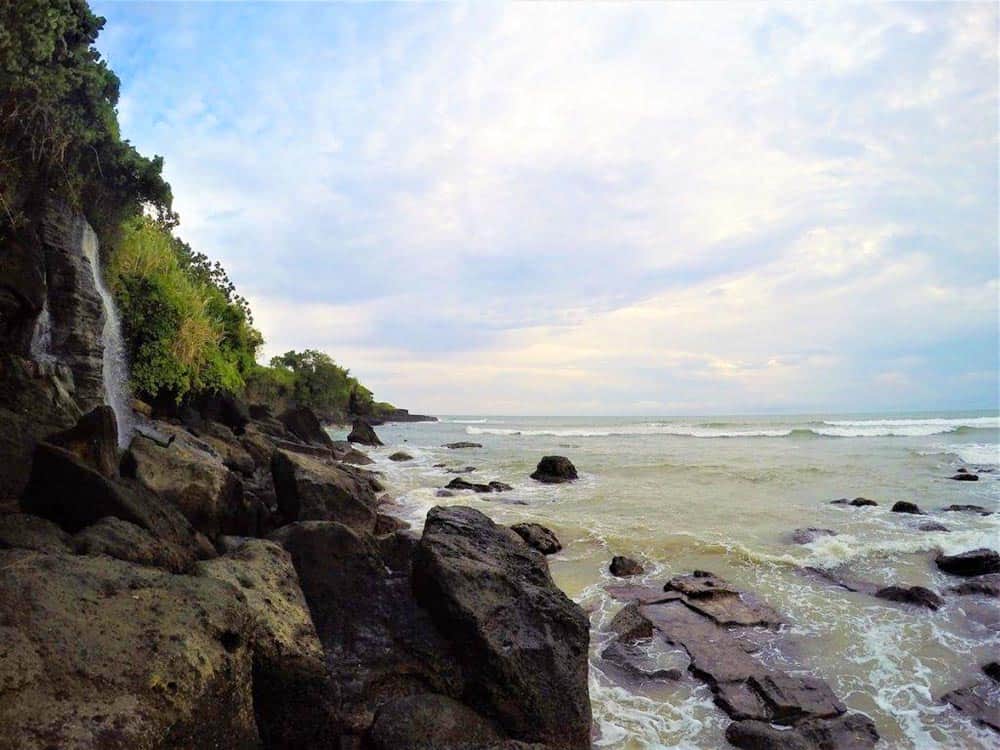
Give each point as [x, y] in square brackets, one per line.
[313, 379]
[184, 329]
[59, 132]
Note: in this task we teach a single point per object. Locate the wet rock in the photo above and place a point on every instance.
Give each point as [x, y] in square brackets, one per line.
[462, 444]
[362, 432]
[444, 493]
[848, 732]
[992, 670]
[968, 509]
[964, 476]
[302, 422]
[554, 470]
[460, 484]
[972, 563]
[462, 470]
[379, 644]
[105, 654]
[980, 702]
[73, 495]
[630, 592]
[525, 643]
[429, 722]
[810, 534]
[126, 541]
[93, 439]
[309, 490]
[637, 661]
[858, 502]
[537, 537]
[189, 474]
[916, 595]
[400, 456]
[840, 578]
[290, 687]
[388, 524]
[630, 625]
[624, 566]
[932, 526]
[984, 585]
[24, 531]
[717, 600]
[902, 506]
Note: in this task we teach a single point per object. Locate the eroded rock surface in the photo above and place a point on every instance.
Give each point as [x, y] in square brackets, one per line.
[311, 490]
[537, 537]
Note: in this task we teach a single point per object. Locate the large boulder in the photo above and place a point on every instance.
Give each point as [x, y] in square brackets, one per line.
[97, 653]
[289, 677]
[431, 722]
[93, 439]
[523, 643]
[302, 422]
[362, 432]
[379, 644]
[311, 490]
[975, 562]
[126, 541]
[65, 490]
[623, 567]
[537, 537]
[225, 408]
[554, 470]
[189, 474]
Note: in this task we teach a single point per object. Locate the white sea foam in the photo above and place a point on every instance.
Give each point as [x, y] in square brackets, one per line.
[638, 429]
[974, 453]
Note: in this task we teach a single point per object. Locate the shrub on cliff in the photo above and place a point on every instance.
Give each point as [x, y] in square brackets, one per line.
[183, 331]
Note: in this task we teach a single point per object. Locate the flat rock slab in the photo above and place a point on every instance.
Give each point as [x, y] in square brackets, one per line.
[981, 702]
[848, 732]
[634, 592]
[717, 600]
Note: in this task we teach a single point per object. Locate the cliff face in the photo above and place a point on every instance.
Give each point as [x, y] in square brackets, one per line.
[51, 320]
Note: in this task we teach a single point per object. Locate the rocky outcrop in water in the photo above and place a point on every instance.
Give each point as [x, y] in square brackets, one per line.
[537, 537]
[622, 566]
[554, 470]
[362, 432]
[461, 484]
[975, 562]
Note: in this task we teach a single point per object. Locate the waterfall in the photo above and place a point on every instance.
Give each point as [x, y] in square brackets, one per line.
[115, 365]
[41, 337]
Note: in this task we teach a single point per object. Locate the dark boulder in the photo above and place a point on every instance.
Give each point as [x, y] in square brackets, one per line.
[630, 625]
[225, 408]
[916, 595]
[362, 432]
[537, 537]
[984, 585]
[460, 484]
[462, 444]
[979, 701]
[848, 732]
[903, 506]
[965, 476]
[310, 490]
[25, 531]
[431, 722]
[444, 493]
[554, 470]
[99, 653]
[932, 526]
[65, 490]
[975, 562]
[992, 670]
[400, 456]
[379, 644]
[302, 422]
[968, 509]
[524, 643]
[810, 534]
[122, 540]
[858, 502]
[624, 566]
[93, 439]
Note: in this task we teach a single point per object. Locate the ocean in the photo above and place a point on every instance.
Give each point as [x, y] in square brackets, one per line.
[724, 494]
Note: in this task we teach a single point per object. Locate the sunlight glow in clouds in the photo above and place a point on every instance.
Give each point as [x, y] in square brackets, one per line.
[650, 208]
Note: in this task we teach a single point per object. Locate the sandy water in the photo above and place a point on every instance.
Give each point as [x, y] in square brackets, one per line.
[723, 494]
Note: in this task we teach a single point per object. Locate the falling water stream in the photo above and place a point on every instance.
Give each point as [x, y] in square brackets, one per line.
[115, 365]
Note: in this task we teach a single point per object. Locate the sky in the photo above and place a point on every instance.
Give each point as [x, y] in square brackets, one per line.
[593, 209]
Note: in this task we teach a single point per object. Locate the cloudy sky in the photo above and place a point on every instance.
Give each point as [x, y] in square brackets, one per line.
[593, 209]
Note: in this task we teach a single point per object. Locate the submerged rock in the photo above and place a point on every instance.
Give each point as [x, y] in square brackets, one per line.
[917, 595]
[525, 643]
[984, 585]
[554, 470]
[537, 537]
[858, 502]
[460, 484]
[903, 506]
[362, 432]
[964, 475]
[979, 701]
[400, 456]
[932, 526]
[975, 562]
[462, 444]
[810, 534]
[968, 509]
[622, 566]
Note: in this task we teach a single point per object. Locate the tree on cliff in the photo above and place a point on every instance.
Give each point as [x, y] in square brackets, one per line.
[59, 131]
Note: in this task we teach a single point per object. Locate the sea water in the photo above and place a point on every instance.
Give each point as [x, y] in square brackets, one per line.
[723, 494]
